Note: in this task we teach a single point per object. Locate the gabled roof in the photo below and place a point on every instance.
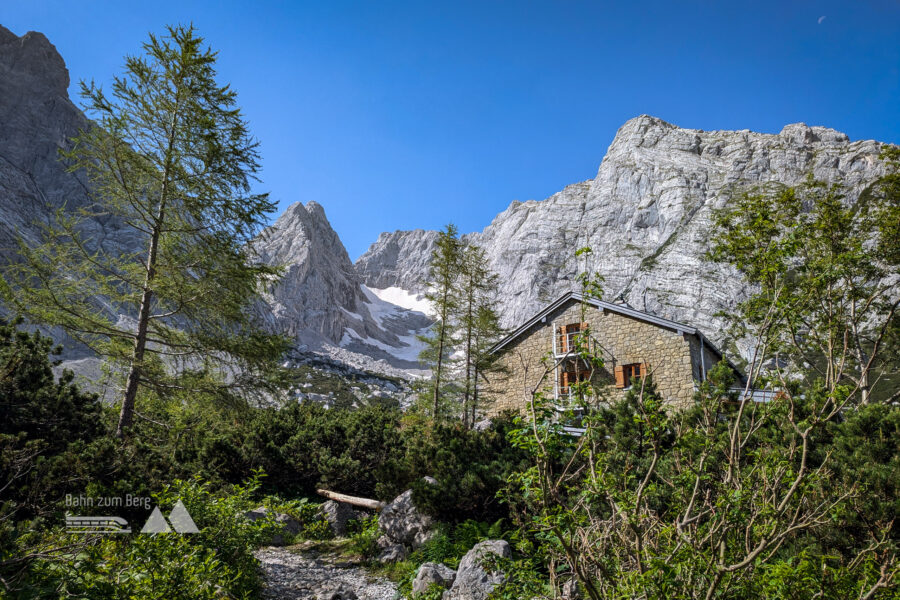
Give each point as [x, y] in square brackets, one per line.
[616, 308]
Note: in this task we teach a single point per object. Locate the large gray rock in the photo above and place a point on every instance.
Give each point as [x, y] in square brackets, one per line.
[337, 514]
[401, 522]
[473, 581]
[432, 574]
[647, 215]
[287, 526]
[390, 550]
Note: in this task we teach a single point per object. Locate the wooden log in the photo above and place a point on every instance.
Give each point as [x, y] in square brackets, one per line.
[375, 505]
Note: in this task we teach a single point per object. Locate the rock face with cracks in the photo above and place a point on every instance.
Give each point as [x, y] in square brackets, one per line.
[647, 215]
[473, 580]
[402, 527]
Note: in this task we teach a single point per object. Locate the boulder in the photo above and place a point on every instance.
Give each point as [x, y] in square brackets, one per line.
[257, 513]
[336, 591]
[391, 551]
[473, 581]
[289, 526]
[402, 522]
[432, 574]
[337, 514]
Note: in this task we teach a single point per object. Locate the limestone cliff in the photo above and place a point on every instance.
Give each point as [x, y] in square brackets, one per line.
[647, 217]
[320, 302]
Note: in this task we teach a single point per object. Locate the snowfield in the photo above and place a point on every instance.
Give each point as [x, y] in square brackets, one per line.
[390, 309]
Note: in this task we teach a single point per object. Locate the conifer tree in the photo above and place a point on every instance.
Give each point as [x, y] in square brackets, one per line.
[443, 275]
[478, 323]
[171, 160]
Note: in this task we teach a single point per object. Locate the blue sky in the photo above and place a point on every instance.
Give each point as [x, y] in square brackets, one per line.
[398, 115]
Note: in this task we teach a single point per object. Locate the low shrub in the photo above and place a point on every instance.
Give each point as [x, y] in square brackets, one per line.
[214, 563]
[364, 535]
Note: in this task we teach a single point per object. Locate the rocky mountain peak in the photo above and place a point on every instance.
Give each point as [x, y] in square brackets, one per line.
[803, 134]
[32, 56]
[647, 215]
[398, 259]
[297, 230]
[321, 301]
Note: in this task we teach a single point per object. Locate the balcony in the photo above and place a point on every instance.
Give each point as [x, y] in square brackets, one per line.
[565, 344]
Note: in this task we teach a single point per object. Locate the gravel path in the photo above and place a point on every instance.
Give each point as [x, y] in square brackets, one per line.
[300, 575]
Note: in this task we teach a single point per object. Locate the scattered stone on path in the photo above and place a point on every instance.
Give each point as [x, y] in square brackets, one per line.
[291, 576]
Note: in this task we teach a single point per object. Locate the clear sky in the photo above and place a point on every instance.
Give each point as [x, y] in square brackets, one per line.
[398, 115]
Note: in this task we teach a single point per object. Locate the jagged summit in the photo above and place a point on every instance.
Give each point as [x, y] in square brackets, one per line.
[33, 56]
[646, 215]
[321, 301]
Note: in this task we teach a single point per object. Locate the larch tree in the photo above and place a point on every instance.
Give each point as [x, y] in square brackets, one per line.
[171, 160]
[479, 323]
[442, 293]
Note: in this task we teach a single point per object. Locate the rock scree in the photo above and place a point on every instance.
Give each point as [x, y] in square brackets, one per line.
[289, 575]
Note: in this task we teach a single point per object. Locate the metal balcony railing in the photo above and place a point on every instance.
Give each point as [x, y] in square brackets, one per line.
[564, 344]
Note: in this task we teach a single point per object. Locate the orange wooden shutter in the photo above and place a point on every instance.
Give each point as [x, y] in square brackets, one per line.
[562, 339]
[620, 376]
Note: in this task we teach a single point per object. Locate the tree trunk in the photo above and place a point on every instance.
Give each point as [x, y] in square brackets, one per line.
[126, 414]
[440, 355]
[375, 505]
[437, 373]
[470, 320]
[474, 394]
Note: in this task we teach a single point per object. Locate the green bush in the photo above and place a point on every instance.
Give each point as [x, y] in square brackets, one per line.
[364, 536]
[214, 563]
[470, 468]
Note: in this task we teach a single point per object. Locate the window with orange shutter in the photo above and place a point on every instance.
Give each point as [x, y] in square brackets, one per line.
[625, 373]
[620, 376]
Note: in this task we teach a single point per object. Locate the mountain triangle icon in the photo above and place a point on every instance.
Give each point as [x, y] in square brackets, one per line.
[156, 523]
[179, 518]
